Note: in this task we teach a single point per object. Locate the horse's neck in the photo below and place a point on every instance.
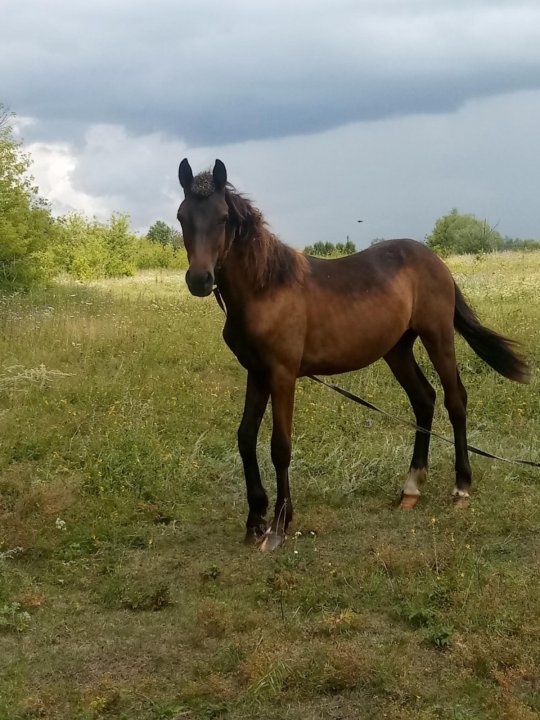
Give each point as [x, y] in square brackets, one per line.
[234, 282]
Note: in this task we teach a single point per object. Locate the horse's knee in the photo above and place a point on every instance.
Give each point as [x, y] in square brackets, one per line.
[424, 405]
[430, 395]
[281, 451]
[456, 403]
[426, 402]
[462, 393]
[247, 438]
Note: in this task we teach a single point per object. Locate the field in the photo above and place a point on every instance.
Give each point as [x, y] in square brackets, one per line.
[125, 589]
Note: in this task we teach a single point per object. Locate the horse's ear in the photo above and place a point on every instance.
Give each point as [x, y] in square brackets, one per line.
[219, 174]
[185, 175]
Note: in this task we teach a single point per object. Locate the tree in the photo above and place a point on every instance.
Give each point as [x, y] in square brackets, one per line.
[462, 234]
[162, 233]
[26, 225]
[121, 246]
[350, 248]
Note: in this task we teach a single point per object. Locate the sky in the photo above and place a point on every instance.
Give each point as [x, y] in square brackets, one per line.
[325, 112]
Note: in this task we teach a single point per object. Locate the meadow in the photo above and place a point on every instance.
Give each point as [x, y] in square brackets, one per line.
[125, 589]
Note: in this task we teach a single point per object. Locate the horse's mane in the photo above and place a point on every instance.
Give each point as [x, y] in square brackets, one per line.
[267, 261]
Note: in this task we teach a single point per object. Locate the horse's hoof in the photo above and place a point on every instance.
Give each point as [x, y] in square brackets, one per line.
[272, 540]
[254, 535]
[408, 502]
[461, 502]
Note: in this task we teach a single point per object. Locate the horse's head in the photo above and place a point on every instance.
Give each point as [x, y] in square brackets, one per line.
[204, 216]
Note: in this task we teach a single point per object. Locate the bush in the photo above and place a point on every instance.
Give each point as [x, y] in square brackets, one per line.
[150, 255]
[88, 249]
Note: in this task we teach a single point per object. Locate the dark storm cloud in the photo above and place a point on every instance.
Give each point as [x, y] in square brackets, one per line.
[213, 72]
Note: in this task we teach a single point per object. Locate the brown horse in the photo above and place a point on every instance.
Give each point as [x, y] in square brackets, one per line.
[289, 315]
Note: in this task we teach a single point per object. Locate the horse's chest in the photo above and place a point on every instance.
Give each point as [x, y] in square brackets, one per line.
[239, 342]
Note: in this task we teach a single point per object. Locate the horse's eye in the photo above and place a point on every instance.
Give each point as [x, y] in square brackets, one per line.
[224, 219]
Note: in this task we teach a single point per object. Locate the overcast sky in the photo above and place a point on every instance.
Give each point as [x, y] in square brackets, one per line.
[324, 111]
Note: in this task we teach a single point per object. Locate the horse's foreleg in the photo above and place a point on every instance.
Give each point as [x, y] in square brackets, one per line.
[257, 393]
[282, 392]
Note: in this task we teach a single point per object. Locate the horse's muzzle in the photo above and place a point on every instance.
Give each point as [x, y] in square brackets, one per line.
[199, 283]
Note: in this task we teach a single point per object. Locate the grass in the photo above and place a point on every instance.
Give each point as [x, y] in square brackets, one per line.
[125, 590]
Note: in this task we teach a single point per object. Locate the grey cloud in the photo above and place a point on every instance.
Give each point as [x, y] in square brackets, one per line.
[215, 72]
[398, 175]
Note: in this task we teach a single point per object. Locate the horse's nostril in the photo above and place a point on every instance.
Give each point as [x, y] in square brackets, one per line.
[200, 283]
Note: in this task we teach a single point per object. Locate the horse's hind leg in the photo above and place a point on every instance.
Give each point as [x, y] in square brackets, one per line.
[421, 394]
[440, 347]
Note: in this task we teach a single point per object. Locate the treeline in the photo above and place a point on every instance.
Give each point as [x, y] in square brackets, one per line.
[454, 234]
[328, 249]
[35, 246]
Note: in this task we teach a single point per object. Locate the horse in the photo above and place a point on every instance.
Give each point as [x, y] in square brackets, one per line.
[289, 315]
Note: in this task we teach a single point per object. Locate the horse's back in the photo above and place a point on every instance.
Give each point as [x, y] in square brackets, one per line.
[374, 267]
[359, 306]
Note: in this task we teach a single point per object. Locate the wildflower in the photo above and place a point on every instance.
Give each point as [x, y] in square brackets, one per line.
[296, 552]
[297, 534]
[433, 520]
[60, 524]
[413, 530]
[468, 547]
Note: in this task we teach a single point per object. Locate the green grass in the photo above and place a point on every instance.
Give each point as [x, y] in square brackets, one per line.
[125, 589]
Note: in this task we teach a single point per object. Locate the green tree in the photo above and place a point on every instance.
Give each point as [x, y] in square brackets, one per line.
[121, 247]
[26, 225]
[162, 233]
[460, 234]
[350, 247]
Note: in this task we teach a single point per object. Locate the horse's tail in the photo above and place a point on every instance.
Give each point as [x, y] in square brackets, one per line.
[496, 350]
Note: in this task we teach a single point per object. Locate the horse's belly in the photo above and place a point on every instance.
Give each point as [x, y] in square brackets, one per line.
[335, 359]
[351, 340]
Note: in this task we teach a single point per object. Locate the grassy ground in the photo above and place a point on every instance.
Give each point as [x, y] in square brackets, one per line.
[125, 590]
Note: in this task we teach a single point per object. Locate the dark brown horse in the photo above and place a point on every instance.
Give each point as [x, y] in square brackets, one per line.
[289, 315]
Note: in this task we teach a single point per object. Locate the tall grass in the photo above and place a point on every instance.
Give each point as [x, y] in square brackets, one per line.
[125, 591]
